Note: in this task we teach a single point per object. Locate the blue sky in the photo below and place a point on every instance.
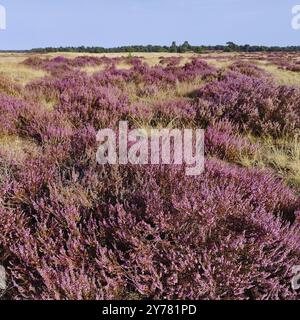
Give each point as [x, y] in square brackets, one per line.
[108, 23]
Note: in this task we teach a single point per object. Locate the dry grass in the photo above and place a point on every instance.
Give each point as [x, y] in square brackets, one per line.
[123, 66]
[91, 69]
[18, 73]
[220, 64]
[181, 90]
[17, 148]
[282, 155]
[133, 93]
[282, 77]
[11, 67]
[185, 88]
[48, 104]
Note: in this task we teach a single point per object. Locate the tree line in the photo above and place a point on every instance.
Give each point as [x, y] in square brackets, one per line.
[173, 48]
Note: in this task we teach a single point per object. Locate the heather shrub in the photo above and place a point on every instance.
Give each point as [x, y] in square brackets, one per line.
[45, 89]
[56, 66]
[82, 99]
[178, 110]
[29, 120]
[35, 62]
[147, 91]
[126, 231]
[12, 109]
[73, 229]
[61, 65]
[98, 106]
[170, 61]
[172, 74]
[254, 104]
[223, 142]
[248, 69]
[141, 73]
[195, 68]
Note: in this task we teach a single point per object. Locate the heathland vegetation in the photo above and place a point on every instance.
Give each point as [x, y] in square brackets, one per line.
[73, 229]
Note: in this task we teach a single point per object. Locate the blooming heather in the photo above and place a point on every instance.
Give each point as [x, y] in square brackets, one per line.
[73, 229]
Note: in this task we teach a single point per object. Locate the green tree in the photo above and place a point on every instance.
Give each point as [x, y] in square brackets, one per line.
[173, 47]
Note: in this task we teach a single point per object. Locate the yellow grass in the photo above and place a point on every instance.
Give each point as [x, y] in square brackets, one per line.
[282, 155]
[91, 70]
[123, 66]
[94, 69]
[185, 88]
[182, 89]
[48, 104]
[282, 77]
[13, 70]
[219, 63]
[16, 148]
